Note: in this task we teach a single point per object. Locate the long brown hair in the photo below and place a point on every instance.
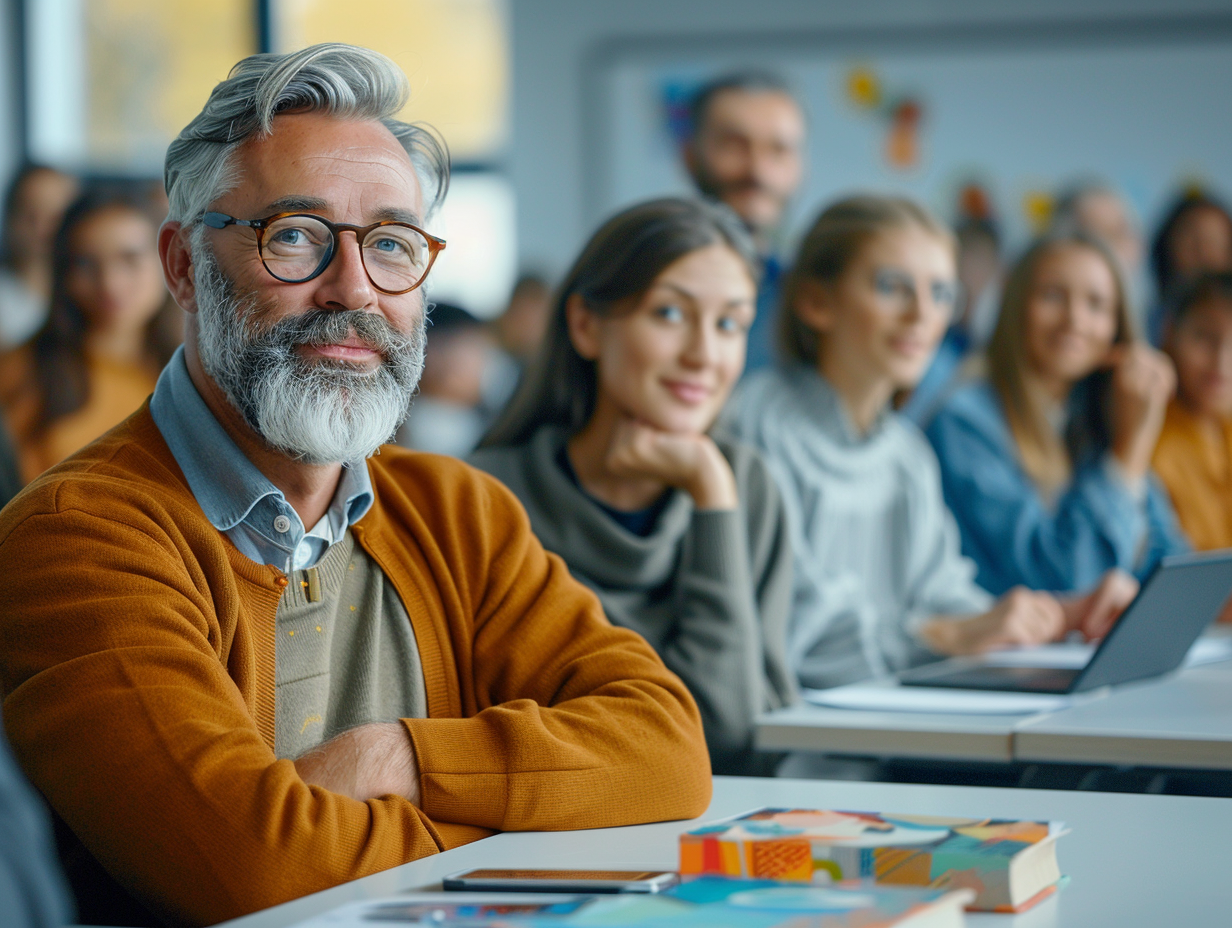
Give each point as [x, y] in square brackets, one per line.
[835, 240]
[59, 349]
[618, 264]
[1048, 458]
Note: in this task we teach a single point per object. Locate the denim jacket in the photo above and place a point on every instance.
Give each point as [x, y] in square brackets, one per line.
[1014, 535]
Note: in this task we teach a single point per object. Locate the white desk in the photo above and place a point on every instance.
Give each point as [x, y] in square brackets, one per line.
[1133, 860]
[896, 734]
[1180, 721]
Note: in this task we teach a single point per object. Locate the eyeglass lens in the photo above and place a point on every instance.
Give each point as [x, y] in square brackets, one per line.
[295, 248]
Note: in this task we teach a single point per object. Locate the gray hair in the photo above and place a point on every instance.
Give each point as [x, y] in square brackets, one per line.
[341, 80]
[1065, 218]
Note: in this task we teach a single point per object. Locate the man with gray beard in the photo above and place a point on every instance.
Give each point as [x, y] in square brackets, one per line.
[243, 658]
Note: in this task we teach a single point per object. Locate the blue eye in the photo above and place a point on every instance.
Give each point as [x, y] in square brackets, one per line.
[290, 237]
[670, 313]
[731, 325]
[892, 283]
[945, 293]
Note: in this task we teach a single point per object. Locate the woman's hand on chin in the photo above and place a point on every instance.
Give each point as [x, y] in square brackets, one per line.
[690, 462]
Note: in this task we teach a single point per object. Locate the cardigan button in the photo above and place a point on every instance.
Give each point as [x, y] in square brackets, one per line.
[281, 582]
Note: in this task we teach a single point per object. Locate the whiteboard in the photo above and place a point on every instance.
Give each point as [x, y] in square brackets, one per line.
[1145, 118]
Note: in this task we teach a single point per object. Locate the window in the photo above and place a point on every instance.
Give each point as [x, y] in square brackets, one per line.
[453, 51]
[112, 82]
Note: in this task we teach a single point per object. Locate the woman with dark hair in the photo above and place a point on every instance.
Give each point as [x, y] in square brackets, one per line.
[1195, 236]
[1046, 462]
[34, 204]
[1193, 457]
[608, 444]
[111, 328]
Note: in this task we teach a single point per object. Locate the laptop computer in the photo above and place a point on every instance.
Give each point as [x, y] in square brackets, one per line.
[1180, 598]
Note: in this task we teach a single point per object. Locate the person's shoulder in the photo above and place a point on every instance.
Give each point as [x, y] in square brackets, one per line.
[760, 403]
[762, 385]
[436, 484]
[974, 401]
[973, 409]
[747, 460]
[426, 468]
[903, 443]
[905, 434]
[126, 477]
[501, 461]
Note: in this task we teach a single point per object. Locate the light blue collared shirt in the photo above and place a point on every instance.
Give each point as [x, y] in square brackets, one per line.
[235, 496]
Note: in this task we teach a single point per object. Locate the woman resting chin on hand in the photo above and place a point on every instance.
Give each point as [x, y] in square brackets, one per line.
[608, 444]
[638, 452]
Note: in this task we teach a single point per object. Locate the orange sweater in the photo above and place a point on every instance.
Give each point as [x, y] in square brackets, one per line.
[116, 389]
[1196, 469]
[137, 663]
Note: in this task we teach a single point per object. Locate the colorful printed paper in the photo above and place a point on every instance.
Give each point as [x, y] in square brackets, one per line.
[1008, 864]
[707, 902]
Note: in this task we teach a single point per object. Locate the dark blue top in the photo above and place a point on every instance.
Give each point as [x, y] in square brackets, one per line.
[639, 522]
[761, 350]
[1014, 535]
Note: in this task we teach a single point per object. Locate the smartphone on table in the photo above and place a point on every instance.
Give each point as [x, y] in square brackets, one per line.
[562, 881]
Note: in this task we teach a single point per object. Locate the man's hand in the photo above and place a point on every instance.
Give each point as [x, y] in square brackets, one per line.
[364, 763]
[1094, 613]
[1020, 618]
[692, 463]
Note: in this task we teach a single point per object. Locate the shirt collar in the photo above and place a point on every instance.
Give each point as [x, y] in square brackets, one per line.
[225, 483]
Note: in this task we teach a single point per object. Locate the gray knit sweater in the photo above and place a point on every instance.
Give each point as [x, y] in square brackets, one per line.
[876, 550]
[710, 590]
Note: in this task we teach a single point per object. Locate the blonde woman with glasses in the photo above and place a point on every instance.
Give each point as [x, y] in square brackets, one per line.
[880, 582]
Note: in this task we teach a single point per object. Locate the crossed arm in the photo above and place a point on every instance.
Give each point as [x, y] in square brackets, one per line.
[133, 701]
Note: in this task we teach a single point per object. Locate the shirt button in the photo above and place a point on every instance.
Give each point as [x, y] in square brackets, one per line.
[282, 524]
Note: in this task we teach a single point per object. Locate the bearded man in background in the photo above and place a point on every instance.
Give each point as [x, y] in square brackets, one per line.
[746, 149]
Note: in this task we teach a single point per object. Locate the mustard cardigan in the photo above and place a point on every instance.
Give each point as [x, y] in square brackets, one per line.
[137, 665]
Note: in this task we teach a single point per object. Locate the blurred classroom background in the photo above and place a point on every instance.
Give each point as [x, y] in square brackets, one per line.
[557, 113]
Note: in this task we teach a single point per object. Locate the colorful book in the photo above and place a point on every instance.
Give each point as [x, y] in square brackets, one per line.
[707, 902]
[1009, 865]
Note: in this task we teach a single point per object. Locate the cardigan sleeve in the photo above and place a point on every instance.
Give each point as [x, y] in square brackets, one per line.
[123, 705]
[1096, 524]
[571, 722]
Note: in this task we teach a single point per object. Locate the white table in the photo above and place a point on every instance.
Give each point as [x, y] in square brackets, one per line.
[896, 734]
[1133, 860]
[1181, 720]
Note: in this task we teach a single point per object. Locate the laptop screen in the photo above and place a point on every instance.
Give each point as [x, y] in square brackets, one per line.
[1179, 599]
